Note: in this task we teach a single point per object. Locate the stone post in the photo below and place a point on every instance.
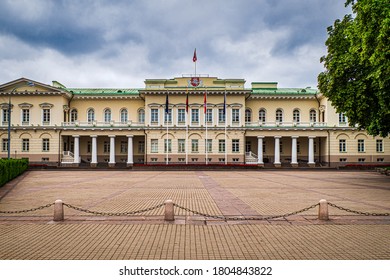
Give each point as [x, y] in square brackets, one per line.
[323, 213]
[169, 212]
[58, 211]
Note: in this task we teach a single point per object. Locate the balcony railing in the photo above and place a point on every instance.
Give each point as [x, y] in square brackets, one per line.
[102, 124]
[286, 124]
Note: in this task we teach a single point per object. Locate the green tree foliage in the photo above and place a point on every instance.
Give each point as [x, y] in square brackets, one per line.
[357, 67]
[11, 168]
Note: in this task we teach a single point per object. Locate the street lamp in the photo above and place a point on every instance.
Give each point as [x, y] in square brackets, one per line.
[31, 84]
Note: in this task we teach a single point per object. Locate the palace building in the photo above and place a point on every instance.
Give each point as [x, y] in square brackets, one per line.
[184, 120]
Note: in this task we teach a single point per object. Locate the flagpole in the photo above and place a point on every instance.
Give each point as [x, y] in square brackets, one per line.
[166, 122]
[186, 141]
[205, 115]
[224, 104]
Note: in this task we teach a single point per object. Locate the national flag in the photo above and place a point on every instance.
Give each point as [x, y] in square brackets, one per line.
[224, 104]
[167, 105]
[205, 102]
[194, 58]
[187, 105]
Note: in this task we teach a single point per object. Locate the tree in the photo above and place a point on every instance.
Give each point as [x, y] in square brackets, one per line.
[357, 67]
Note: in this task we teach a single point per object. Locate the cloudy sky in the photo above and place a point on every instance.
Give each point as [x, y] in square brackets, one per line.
[107, 43]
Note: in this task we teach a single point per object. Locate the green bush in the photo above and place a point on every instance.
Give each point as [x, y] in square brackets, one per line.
[11, 168]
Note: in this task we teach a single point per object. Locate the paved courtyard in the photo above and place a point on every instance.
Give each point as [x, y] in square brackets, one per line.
[232, 194]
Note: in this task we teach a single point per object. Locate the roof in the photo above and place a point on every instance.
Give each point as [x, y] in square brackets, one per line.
[103, 91]
[284, 91]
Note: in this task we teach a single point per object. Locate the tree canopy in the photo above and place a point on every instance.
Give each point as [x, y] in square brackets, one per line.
[357, 67]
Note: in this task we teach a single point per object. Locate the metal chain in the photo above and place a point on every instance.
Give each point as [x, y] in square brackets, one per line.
[358, 212]
[27, 210]
[246, 218]
[113, 214]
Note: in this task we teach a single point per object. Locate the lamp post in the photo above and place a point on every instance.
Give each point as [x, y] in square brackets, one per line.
[31, 84]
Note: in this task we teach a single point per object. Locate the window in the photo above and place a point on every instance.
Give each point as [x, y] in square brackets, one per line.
[361, 160]
[181, 116]
[167, 145]
[123, 147]
[106, 147]
[235, 115]
[342, 118]
[209, 145]
[221, 116]
[25, 116]
[361, 148]
[262, 115]
[279, 115]
[124, 115]
[194, 146]
[194, 116]
[313, 116]
[45, 144]
[5, 145]
[168, 117]
[154, 145]
[89, 147]
[141, 147]
[296, 116]
[153, 159]
[236, 159]
[154, 116]
[342, 146]
[380, 159]
[379, 146]
[73, 115]
[45, 116]
[107, 115]
[343, 159]
[26, 145]
[209, 116]
[248, 116]
[235, 145]
[181, 145]
[90, 115]
[221, 145]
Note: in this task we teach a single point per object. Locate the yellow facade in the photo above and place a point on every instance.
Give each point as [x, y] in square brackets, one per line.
[56, 125]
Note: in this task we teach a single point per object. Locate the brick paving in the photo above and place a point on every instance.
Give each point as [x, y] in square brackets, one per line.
[34, 235]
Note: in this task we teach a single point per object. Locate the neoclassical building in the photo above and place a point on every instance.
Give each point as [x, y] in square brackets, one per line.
[184, 120]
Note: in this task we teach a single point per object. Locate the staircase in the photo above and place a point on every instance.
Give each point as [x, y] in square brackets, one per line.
[250, 158]
[67, 158]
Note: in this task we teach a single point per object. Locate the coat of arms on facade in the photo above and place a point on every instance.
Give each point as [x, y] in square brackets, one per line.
[194, 82]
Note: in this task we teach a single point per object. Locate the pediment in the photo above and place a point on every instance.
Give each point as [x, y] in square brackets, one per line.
[24, 85]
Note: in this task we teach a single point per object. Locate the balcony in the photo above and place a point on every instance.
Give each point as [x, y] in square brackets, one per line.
[285, 124]
[92, 124]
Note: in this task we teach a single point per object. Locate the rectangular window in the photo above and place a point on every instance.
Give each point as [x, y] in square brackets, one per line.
[168, 117]
[342, 119]
[45, 116]
[236, 159]
[379, 146]
[181, 116]
[361, 148]
[235, 145]
[194, 116]
[221, 145]
[342, 146]
[209, 116]
[167, 145]
[123, 147]
[45, 145]
[141, 147]
[5, 116]
[221, 116]
[25, 116]
[361, 160]
[154, 116]
[4, 145]
[194, 146]
[26, 145]
[181, 145]
[154, 145]
[235, 115]
[209, 145]
[106, 147]
[343, 159]
[181, 159]
[380, 159]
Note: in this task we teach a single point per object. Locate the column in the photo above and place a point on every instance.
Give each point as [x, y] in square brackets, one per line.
[111, 163]
[94, 161]
[260, 150]
[277, 162]
[76, 152]
[311, 151]
[130, 160]
[294, 160]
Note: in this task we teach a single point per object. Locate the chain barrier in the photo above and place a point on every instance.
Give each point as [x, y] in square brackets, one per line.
[246, 218]
[27, 210]
[357, 212]
[113, 214]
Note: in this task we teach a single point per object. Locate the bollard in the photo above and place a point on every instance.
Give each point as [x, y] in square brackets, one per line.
[169, 213]
[58, 211]
[323, 213]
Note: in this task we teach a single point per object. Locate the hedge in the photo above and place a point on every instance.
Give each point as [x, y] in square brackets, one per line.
[11, 168]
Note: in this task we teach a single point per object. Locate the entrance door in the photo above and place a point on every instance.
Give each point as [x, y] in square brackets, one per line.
[248, 146]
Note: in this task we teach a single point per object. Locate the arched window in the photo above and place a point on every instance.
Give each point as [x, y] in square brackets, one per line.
[279, 115]
[90, 115]
[107, 115]
[313, 116]
[262, 115]
[73, 115]
[141, 116]
[124, 115]
[248, 116]
[296, 116]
